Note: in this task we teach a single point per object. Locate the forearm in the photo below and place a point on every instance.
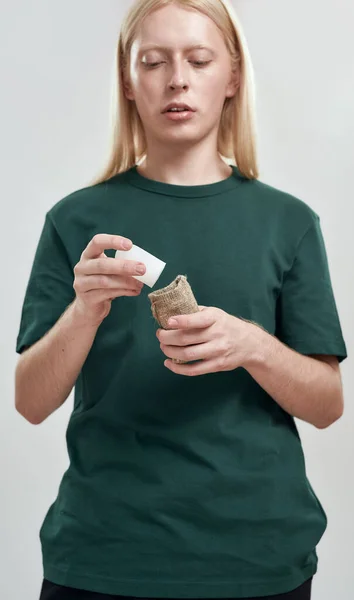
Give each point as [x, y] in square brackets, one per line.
[305, 387]
[47, 371]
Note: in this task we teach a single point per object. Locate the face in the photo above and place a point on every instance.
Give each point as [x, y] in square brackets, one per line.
[164, 68]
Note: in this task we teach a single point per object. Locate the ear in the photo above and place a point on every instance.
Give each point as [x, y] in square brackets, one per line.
[128, 92]
[233, 84]
[127, 87]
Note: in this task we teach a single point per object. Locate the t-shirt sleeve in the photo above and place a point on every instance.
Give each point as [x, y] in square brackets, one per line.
[307, 316]
[49, 289]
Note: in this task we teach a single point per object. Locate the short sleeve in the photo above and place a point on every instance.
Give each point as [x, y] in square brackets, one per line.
[49, 288]
[307, 317]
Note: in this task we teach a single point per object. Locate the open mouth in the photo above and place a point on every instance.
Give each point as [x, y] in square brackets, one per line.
[178, 110]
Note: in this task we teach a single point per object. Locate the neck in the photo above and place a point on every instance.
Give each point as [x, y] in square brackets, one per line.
[183, 171]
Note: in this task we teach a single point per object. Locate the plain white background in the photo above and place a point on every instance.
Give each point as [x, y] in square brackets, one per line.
[56, 65]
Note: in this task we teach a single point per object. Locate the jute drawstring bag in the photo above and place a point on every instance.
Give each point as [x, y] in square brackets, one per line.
[177, 298]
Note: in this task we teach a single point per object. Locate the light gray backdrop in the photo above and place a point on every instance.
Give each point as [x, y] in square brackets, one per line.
[56, 65]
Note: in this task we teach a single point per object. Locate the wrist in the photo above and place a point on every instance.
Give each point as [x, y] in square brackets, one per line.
[81, 318]
[258, 340]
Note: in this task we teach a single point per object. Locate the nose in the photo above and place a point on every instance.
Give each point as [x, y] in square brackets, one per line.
[178, 83]
[178, 79]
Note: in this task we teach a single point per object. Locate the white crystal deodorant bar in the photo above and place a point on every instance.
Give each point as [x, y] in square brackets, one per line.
[154, 266]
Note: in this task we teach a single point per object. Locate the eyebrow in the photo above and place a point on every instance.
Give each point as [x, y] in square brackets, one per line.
[167, 49]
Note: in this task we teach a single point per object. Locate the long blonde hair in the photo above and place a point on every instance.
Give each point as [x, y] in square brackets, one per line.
[237, 131]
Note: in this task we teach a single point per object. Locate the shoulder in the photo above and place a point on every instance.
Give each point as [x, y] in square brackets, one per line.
[286, 208]
[76, 203]
[88, 201]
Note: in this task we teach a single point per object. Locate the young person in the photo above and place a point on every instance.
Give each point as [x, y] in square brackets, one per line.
[185, 480]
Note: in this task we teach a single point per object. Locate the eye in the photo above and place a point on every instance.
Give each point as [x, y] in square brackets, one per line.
[201, 63]
[197, 63]
[151, 64]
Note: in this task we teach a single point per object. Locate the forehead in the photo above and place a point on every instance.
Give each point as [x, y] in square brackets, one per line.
[170, 49]
[173, 28]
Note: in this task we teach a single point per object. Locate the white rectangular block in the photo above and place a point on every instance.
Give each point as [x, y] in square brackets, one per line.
[154, 266]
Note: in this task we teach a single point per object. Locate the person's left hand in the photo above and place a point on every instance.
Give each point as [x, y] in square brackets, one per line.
[223, 341]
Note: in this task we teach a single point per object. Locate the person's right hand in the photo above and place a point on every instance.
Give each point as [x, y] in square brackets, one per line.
[99, 279]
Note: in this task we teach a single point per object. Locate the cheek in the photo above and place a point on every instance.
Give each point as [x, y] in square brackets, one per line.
[212, 93]
[148, 93]
[145, 97]
[144, 87]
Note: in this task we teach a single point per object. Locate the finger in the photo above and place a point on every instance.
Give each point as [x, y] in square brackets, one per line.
[111, 266]
[104, 241]
[204, 351]
[193, 321]
[186, 337]
[118, 292]
[201, 368]
[97, 282]
[96, 296]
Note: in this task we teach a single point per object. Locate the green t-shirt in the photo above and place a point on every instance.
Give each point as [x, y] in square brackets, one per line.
[185, 487]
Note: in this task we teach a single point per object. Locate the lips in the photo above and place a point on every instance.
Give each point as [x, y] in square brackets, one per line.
[177, 105]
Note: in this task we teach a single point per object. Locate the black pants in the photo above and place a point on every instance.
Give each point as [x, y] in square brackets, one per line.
[51, 591]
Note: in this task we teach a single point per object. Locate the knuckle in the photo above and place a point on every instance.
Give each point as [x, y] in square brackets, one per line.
[184, 339]
[96, 238]
[120, 266]
[190, 354]
[224, 346]
[102, 281]
[77, 268]
[221, 363]
[77, 285]
[100, 265]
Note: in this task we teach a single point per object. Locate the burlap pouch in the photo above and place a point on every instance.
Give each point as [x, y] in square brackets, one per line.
[177, 298]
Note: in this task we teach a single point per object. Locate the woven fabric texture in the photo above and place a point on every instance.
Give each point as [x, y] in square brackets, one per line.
[177, 298]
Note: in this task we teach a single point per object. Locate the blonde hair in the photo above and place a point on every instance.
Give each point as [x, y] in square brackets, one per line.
[237, 131]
